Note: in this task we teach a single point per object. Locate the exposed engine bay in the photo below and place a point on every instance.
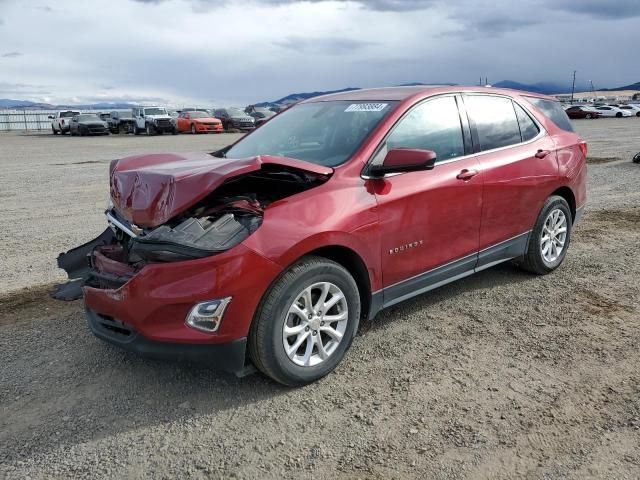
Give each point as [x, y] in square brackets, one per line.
[217, 223]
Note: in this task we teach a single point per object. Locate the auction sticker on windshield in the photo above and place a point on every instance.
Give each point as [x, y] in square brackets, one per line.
[366, 107]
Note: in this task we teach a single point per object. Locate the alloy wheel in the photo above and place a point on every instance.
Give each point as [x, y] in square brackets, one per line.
[315, 324]
[554, 235]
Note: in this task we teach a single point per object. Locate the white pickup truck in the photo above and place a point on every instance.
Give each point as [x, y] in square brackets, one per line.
[60, 121]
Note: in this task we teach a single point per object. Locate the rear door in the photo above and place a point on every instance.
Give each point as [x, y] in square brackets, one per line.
[519, 166]
[430, 220]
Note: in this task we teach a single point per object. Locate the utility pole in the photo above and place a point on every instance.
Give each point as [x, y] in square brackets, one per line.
[573, 86]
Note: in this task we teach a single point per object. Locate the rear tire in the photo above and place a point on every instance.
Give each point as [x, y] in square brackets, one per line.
[618, 115]
[55, 132]
[193, 129]
[636, 158]
[588, 115]
[286, 317]
[148, 130]
[134, 129]
[550, 238]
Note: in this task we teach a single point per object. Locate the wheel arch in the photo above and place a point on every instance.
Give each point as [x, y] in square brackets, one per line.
[355, 265]
[568, 195]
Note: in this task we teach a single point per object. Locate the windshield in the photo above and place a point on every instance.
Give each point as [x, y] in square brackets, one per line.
[324, 133]
[199, 115]
[155, 111]
[85, 118]
[236, 112]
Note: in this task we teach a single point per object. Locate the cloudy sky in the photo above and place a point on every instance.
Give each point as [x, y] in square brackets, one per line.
[221, 52]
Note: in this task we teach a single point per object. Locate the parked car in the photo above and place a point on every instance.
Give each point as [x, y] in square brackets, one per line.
[581, 111]
[121, 122]
[273, 249]
[152, 121]
[235, 118]
[104, 116]
[609, 111]
[88, 124]
[633, 109]
[198, 122]
[61, 120]
[260, 114]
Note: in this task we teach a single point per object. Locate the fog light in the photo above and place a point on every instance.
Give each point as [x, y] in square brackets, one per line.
[206, 316]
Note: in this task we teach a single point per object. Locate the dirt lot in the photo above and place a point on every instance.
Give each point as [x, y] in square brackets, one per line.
[501, 375]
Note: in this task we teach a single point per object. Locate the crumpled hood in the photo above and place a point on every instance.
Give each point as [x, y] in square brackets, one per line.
[148, 190]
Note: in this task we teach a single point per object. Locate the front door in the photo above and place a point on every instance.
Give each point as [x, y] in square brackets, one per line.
[430, 220]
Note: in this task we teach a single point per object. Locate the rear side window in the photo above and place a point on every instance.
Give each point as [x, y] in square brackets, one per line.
[495, 121]
[528, 128]
[434, 125]
[554, 111]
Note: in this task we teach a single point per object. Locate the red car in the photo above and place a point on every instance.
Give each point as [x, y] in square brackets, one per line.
[198, 122]
[579, 111]
[272, 250]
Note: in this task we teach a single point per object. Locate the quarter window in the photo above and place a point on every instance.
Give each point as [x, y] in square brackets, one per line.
[554, 111]
[528, 128]
[434, 125]
[495, 121]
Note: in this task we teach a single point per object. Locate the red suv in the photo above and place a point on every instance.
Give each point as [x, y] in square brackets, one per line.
[272, 250]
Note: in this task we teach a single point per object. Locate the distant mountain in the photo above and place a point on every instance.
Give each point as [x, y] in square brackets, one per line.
[633, 86]
[296, 97]
[546, 88]
[25, 104]
[8, 103]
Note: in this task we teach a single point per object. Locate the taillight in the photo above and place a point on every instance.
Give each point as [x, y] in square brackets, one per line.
[62, 122]
[583, 148]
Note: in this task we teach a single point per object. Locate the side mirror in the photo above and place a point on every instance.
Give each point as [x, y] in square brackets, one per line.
[399, 160]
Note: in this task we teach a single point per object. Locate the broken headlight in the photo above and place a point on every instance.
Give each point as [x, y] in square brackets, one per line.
[193, 238]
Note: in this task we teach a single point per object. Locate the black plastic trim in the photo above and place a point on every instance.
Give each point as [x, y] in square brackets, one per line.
[229, 357]
[513, 248]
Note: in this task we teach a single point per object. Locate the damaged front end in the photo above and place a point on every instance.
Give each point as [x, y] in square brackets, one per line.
[212, 223]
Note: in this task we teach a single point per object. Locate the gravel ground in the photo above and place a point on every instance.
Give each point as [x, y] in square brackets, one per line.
[500, 375]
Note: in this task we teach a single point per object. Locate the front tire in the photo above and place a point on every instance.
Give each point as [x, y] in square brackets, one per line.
[550, 238]
[636, 158]
[305, 322]
[618, 115]
[193, 129]
[149, 130]
[55, 132]
[589, 116]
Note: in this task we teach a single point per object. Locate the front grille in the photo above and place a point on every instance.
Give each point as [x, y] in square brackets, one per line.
[163, 123]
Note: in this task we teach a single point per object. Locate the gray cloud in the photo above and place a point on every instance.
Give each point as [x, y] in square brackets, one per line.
[11, 55]
[378, 5]
[45, 8]
[326, 46]
[489, 26]
[611, 9]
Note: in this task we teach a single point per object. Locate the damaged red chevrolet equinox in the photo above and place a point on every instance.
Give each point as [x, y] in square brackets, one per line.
[269, 252]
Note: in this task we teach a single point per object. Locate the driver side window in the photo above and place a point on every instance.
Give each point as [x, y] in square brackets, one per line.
[433, 125]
